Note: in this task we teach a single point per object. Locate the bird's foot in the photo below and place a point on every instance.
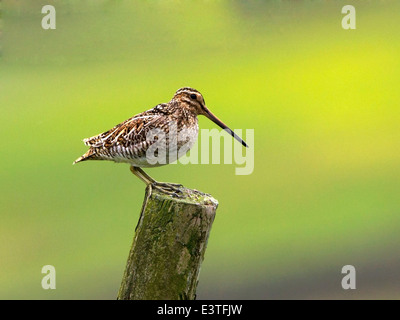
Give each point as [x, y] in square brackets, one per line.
[172, 189]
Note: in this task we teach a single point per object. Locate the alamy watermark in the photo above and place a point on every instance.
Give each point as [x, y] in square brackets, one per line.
[49, 280]
[349, 280]
[170, 145]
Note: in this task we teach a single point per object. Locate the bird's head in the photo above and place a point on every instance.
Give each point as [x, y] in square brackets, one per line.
[190, 99]
[193, 100]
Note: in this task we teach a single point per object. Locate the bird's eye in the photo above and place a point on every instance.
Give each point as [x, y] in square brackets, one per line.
[193, 96]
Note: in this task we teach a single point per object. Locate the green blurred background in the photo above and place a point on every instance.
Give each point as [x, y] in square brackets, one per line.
[324, 104]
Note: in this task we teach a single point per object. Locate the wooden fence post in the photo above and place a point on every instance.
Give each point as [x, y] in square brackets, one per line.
[168, 247]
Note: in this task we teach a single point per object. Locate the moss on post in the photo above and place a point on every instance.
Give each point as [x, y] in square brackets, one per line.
[168, 247]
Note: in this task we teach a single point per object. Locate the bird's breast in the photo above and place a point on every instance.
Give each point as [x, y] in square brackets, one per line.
[188, 136]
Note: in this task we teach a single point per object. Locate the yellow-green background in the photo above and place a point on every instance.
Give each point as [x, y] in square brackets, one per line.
[324, 104]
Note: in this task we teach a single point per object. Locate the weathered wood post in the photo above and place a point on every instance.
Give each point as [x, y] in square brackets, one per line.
[168, 247]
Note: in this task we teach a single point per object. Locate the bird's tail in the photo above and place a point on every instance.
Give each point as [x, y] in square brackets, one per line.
[87, 156]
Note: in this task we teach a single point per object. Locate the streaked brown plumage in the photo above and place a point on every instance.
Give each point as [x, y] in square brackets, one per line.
[129, 141]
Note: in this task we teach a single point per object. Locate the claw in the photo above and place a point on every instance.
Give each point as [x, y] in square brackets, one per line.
[172, 189]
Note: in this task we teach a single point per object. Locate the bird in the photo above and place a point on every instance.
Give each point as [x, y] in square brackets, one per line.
[132, 140]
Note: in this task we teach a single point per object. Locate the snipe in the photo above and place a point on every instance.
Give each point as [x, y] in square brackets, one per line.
[131, 140]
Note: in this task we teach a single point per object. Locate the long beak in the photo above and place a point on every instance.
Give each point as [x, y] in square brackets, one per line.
[214, 119]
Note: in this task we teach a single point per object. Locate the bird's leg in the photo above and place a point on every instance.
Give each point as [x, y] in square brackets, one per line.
[169, 188]
[142, 175]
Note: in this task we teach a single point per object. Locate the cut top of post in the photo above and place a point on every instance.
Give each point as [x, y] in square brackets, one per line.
[188, 196]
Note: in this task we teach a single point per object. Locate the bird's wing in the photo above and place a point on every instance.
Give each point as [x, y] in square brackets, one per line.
[129, 132]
